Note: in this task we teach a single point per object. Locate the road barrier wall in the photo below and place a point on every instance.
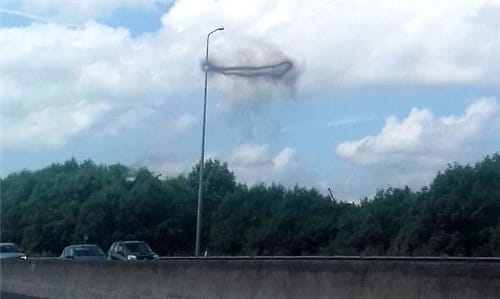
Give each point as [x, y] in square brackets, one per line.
[343, 278]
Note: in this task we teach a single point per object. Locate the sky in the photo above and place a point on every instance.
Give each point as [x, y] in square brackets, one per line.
[381, 93]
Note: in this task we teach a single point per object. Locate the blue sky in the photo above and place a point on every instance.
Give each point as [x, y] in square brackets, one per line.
[386, 94]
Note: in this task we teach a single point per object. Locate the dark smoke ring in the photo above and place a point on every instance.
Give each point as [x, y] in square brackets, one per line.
[273, 70]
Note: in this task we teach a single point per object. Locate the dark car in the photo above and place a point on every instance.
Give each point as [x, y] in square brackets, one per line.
[89, 252]
[11, 251]
[131, 250]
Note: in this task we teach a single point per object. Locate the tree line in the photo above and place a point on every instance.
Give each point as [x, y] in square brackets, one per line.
[458, 214]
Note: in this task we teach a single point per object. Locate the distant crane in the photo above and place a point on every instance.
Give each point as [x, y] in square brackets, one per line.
[332, 198]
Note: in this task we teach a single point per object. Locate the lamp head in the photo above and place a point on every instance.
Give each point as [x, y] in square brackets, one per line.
[220, 28]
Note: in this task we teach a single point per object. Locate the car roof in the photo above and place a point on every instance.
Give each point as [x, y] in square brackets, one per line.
[82, 245]
[11, 244]
[128, 242]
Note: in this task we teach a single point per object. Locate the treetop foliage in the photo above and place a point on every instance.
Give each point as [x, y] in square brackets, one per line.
[81, 202]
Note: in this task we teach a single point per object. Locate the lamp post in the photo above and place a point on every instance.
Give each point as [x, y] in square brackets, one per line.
[202, 159]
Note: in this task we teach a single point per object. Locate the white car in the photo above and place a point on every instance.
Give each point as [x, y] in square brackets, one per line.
[11, 251]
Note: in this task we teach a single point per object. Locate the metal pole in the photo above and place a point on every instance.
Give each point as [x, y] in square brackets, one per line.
[202, 158]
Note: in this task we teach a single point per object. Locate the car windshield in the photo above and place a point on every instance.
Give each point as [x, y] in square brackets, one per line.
[87, 251]
[9, 248]
[138, 247]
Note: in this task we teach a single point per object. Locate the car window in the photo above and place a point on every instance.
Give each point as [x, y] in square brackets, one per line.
[87, 251]
[9, 248]
[138, 247]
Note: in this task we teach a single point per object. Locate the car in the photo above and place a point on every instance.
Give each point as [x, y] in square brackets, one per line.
[131, 250]
[88, 252]
[11, 251]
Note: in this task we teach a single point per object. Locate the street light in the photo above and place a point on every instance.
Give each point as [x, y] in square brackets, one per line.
[202, 159]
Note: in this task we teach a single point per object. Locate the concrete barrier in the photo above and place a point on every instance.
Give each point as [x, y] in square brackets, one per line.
[255, 278]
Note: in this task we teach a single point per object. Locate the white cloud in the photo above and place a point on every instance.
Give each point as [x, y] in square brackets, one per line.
[411, 150]
[254, 163]
[47, 69]
[51, 126]
[284, 159]
[251, 164]
[250, 155]
[182, 123]
[335, 44]
[345, 43]
[172, 168]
